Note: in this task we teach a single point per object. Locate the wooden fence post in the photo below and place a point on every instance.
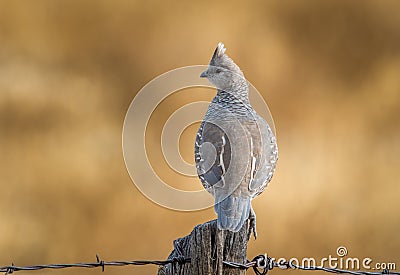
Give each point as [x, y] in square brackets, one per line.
[201, 246]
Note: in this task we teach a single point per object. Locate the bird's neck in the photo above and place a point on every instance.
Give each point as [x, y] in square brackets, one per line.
[238, 94]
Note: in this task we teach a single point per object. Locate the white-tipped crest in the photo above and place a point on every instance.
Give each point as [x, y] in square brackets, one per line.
[220, 49]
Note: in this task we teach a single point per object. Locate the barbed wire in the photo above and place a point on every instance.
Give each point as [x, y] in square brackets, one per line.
[99, 263]
[261, 264]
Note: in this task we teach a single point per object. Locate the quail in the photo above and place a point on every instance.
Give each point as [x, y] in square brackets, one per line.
[235, 149]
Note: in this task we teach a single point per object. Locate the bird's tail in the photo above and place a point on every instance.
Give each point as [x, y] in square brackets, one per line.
[232, 212]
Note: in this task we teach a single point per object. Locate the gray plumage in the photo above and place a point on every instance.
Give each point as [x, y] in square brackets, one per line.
[235, 149]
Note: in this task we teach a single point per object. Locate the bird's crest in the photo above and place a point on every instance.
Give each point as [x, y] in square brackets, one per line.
[220, 59]
[218, 54]
[219, 51]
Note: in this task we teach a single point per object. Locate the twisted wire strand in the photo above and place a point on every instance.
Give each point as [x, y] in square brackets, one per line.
[261, 264]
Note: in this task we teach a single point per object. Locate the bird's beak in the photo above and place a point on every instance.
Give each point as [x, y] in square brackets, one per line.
[204, 74]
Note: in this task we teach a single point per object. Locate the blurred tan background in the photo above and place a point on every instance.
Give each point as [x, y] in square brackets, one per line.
[329, 71]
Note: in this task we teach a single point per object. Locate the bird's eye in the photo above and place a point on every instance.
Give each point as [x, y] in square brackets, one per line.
[218, 71]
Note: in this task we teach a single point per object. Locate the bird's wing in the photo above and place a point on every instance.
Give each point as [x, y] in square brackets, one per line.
[264, 154]
[212, 155]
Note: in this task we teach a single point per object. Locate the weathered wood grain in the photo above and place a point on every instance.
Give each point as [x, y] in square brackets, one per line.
[201, 246]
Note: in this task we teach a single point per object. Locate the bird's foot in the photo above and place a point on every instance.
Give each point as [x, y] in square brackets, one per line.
[252, 225]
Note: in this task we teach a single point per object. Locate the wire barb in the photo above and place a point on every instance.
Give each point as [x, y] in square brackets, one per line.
[10, 269]
[100, 262]
[262, 262]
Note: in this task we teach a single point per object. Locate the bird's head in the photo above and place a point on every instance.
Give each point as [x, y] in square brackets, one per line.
[222, 71]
